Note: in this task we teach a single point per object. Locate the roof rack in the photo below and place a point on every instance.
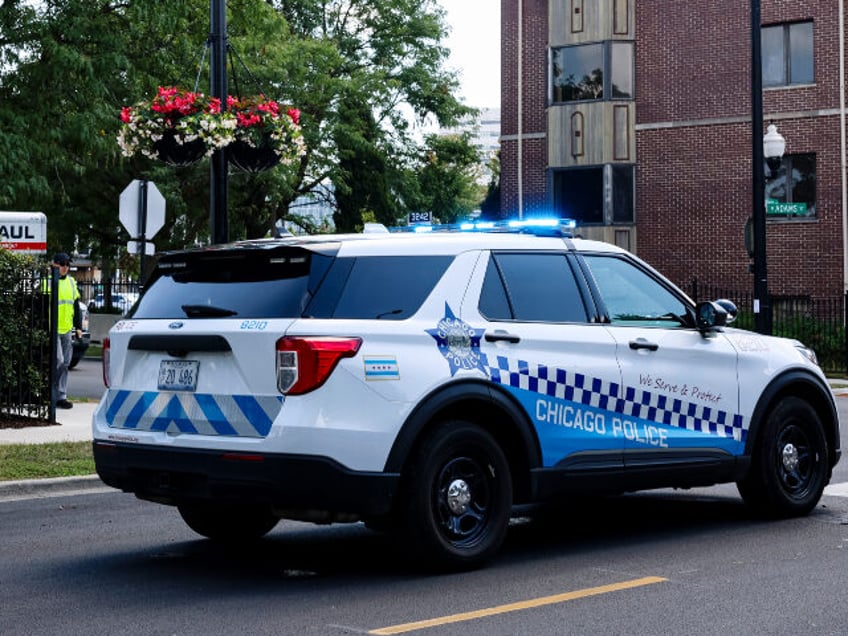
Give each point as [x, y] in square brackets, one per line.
[541, 226]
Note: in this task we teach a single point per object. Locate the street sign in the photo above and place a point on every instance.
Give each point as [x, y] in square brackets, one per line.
[785, 209]
[133, 217]
[134, 247]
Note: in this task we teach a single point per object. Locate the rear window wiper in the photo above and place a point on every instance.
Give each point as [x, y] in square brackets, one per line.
[206, 311]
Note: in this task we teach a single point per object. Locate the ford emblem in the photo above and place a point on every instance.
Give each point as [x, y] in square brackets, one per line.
[175, 325]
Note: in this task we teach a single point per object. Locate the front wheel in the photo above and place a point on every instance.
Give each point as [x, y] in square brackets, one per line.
[789, 466]
[228, 523]
[457, 497]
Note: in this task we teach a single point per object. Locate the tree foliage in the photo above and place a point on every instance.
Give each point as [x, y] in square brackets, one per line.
[449, 176]
[358, 70]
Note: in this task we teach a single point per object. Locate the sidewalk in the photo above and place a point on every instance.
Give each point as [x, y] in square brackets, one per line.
[73, 425]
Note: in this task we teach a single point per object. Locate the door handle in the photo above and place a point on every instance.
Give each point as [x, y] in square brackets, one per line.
[502, 336]
[641, 343]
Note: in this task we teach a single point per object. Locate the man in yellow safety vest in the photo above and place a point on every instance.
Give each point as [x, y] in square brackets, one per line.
[69, 320]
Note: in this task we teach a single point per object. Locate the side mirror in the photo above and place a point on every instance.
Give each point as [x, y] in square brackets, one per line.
[709, 316]
[730, 307]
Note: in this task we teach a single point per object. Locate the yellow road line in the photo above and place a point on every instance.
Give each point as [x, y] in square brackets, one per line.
[521, 605]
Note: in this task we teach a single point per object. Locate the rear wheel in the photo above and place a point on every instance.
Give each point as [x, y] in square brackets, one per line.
[789, 468]
[228, 523]
[457, 497]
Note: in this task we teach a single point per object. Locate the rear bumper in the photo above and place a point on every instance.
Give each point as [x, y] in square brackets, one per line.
[285, 482]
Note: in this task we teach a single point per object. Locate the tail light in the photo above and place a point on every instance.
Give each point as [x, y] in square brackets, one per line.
[304, 364]
[107, 350]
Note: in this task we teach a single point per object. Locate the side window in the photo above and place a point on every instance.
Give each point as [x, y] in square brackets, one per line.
[633, 297]
[531, 287]
[377, 287]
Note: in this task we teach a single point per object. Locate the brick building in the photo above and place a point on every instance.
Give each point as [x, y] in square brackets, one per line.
[634, 117]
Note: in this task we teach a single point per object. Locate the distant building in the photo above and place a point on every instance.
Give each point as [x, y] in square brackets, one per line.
[485, 134]
[317, 206]
[634, 118]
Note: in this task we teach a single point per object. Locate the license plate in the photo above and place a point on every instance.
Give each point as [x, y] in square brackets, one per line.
[178, 375]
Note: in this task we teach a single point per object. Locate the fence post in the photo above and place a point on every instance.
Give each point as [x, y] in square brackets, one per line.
[845, 330]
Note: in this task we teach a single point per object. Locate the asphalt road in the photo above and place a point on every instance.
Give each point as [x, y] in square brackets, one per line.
[86, 380]
[664, 563]
[667, 562]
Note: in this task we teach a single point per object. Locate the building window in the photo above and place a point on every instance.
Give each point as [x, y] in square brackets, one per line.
[787, 51]
[622, 194]
[791, 192]
[592, 72]
[596, 195]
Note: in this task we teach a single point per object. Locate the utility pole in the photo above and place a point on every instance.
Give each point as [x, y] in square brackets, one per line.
[218, 221]
[762, 302]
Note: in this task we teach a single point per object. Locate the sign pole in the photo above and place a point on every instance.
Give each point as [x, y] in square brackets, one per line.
[142, 222]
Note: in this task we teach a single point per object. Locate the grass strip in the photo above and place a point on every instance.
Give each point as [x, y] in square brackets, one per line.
[37, 461]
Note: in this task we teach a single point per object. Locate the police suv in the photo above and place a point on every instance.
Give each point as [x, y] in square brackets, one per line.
[428, 383]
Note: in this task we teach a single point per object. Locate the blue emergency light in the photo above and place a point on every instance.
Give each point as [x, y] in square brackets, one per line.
[539, 226]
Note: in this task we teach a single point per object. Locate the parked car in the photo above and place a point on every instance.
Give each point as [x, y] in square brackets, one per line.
[428, 383]
[122, 302]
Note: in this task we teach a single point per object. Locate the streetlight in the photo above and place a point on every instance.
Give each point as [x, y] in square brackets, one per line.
[774, 146]
[772, 151]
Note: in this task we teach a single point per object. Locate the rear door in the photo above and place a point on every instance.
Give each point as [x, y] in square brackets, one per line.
[541, 345]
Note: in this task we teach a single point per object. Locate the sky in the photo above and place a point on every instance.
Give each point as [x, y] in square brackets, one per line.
[475, 44]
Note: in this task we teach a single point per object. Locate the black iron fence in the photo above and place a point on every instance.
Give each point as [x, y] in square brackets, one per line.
[26, 350]
[819, 323]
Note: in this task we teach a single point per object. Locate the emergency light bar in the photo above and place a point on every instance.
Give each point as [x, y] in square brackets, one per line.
[541, 226]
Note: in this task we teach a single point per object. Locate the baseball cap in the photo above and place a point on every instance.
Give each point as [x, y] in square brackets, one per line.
[62, 259]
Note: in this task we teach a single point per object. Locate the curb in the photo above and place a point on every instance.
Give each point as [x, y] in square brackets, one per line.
[53, 487]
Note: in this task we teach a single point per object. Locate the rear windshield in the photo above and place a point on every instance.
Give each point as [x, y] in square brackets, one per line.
[255, 284]
[297, 283]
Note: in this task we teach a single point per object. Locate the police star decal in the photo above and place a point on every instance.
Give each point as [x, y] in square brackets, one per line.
[459, 343]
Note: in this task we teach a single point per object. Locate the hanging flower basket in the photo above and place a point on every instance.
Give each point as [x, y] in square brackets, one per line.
[253, 158]
[177, 126]
[170, 149]
[265, 135]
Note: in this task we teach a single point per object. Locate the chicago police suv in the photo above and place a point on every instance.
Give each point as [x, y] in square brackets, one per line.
[428, 383]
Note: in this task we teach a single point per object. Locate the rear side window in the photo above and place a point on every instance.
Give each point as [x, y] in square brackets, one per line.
[250, 284]
[377, 287]
[533, 287]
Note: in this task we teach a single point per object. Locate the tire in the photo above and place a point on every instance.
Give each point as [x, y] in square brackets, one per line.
[457, 497]
[789, 466]
[228, 523]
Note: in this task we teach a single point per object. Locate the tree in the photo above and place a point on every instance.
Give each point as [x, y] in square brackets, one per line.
[490, 209]
[354, 68]
[448, 173]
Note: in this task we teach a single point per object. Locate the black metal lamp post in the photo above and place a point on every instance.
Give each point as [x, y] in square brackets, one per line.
[773, 148]
[218, 221]
[762, 303]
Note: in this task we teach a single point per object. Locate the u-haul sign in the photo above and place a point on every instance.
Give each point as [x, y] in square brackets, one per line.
[24, 232]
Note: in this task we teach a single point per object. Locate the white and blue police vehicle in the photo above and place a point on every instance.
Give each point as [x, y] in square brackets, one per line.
[431, 382]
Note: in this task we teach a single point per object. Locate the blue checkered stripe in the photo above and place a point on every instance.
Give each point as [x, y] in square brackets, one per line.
[192, 413]
[611, 396]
